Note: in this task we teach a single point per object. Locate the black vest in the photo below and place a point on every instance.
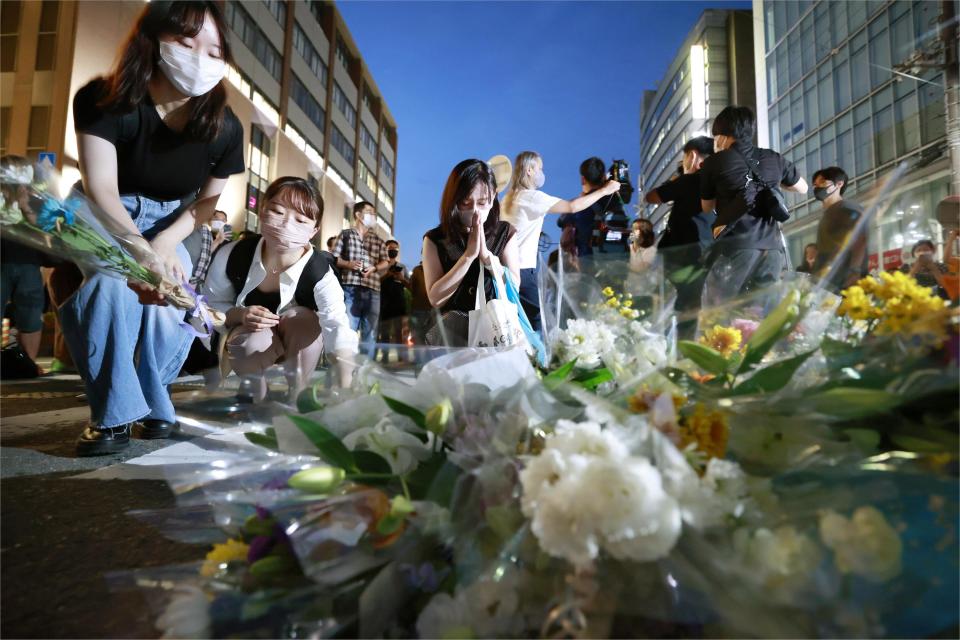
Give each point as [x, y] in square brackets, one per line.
[238, 266]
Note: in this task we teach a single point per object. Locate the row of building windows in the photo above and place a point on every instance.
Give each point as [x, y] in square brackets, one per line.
[258, 173]
[343, 104]
[278, 9]
[309, 54]
[675, 83]
[10, 12]
[368, 140]
[340, 142]
[386, 168]
[307, 103]
[254, 38]
[343, 55]
[888, 39]
[366, 176]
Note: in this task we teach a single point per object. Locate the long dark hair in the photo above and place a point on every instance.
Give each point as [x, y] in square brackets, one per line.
[462, 180]
[126, 86]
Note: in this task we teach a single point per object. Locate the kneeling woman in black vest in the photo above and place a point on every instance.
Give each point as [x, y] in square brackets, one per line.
[281, 297]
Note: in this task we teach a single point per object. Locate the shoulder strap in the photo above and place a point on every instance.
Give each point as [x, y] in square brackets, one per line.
[238, 264]
[316, 269]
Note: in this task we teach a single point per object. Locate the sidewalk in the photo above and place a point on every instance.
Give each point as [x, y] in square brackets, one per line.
[60, 536]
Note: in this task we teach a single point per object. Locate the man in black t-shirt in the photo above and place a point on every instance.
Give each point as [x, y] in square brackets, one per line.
[749, 251]
[688, 229]
[841, 249]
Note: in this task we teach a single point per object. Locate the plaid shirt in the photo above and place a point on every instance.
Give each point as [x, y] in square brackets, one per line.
[203, 261]
[370, 250]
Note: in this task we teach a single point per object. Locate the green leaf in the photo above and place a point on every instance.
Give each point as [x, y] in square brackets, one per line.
[710, 360]
[406, 410]
[775, 326]
[434, 480]
[267, 440]
[389, 524]
[851, 402]
[867, 440]
[370, 462]
[307, 400]
[774, 377]
[592, 379]
[329, 445]
[557, 377]
[910, 443]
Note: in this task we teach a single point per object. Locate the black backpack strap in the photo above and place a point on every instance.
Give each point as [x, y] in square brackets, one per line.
[238, 264]
[317, 267]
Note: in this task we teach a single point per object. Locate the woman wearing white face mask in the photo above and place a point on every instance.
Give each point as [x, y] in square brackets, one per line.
[153, 133]
[283, 302]
[470, 232]
[524, 207]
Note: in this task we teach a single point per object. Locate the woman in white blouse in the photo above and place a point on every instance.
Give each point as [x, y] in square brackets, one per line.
[282, 300]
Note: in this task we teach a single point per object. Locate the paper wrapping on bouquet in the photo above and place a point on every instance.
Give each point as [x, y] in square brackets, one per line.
[77, 230]
[494, 369]
[496, 322]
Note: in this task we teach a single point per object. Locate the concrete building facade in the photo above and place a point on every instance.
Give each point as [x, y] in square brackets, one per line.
[713, 68]
[308, 103]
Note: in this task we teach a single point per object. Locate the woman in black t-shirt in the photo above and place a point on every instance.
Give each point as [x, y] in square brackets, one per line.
[470, 233]
[154, 134]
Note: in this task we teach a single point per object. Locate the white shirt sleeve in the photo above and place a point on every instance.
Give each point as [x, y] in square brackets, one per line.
[543, 202]
[217, 287]
[332, 312]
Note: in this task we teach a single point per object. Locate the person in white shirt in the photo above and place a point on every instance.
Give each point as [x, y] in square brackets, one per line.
[525, 206]
[282, 300]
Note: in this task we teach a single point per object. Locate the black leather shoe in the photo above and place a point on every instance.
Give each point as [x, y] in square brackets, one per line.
[152, 429]
[95, 441]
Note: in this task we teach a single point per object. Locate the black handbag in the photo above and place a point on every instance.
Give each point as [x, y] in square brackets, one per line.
[768, 200]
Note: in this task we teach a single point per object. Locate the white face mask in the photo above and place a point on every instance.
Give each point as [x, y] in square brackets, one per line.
[190, 73]
[369, 220]
[217, 225]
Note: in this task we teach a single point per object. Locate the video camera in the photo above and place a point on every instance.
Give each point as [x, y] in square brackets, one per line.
[620, 171]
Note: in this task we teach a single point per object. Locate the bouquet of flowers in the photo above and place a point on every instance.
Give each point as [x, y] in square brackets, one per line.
[76, 229]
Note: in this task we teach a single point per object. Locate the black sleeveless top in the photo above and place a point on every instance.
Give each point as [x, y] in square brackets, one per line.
[266, 299]
[450, 250]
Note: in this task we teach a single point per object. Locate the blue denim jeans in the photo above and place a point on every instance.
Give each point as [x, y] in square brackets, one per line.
[530, 296]
[126, 352]
[363, 307]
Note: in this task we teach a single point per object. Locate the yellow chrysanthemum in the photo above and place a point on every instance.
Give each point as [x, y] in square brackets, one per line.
[613, 303]
[726, 340]
[643, 399]
[607, 292]
[229, 551]
[709, 431]
[629, 314]
[856, 305]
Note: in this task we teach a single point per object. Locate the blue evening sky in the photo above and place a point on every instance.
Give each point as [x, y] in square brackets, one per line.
[476, 79]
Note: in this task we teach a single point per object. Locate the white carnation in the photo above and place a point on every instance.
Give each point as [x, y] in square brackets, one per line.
[585, 493]
[487, 608]
[585, 340]
[781, 561]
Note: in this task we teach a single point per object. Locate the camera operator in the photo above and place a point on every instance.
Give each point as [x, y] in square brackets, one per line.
[742, 184]
[592, 177]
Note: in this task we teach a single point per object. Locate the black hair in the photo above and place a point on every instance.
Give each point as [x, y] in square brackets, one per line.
[736, 122]
[808, 245]
[593, 171]
[392, 241]
[357, 208]
[701, 144]
[923, 243]
[647, 235]
[834, 175]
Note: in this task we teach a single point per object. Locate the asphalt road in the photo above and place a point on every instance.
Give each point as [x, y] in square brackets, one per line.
[61, 537]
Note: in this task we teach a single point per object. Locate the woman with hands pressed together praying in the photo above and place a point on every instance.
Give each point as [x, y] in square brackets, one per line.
[470, 234]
